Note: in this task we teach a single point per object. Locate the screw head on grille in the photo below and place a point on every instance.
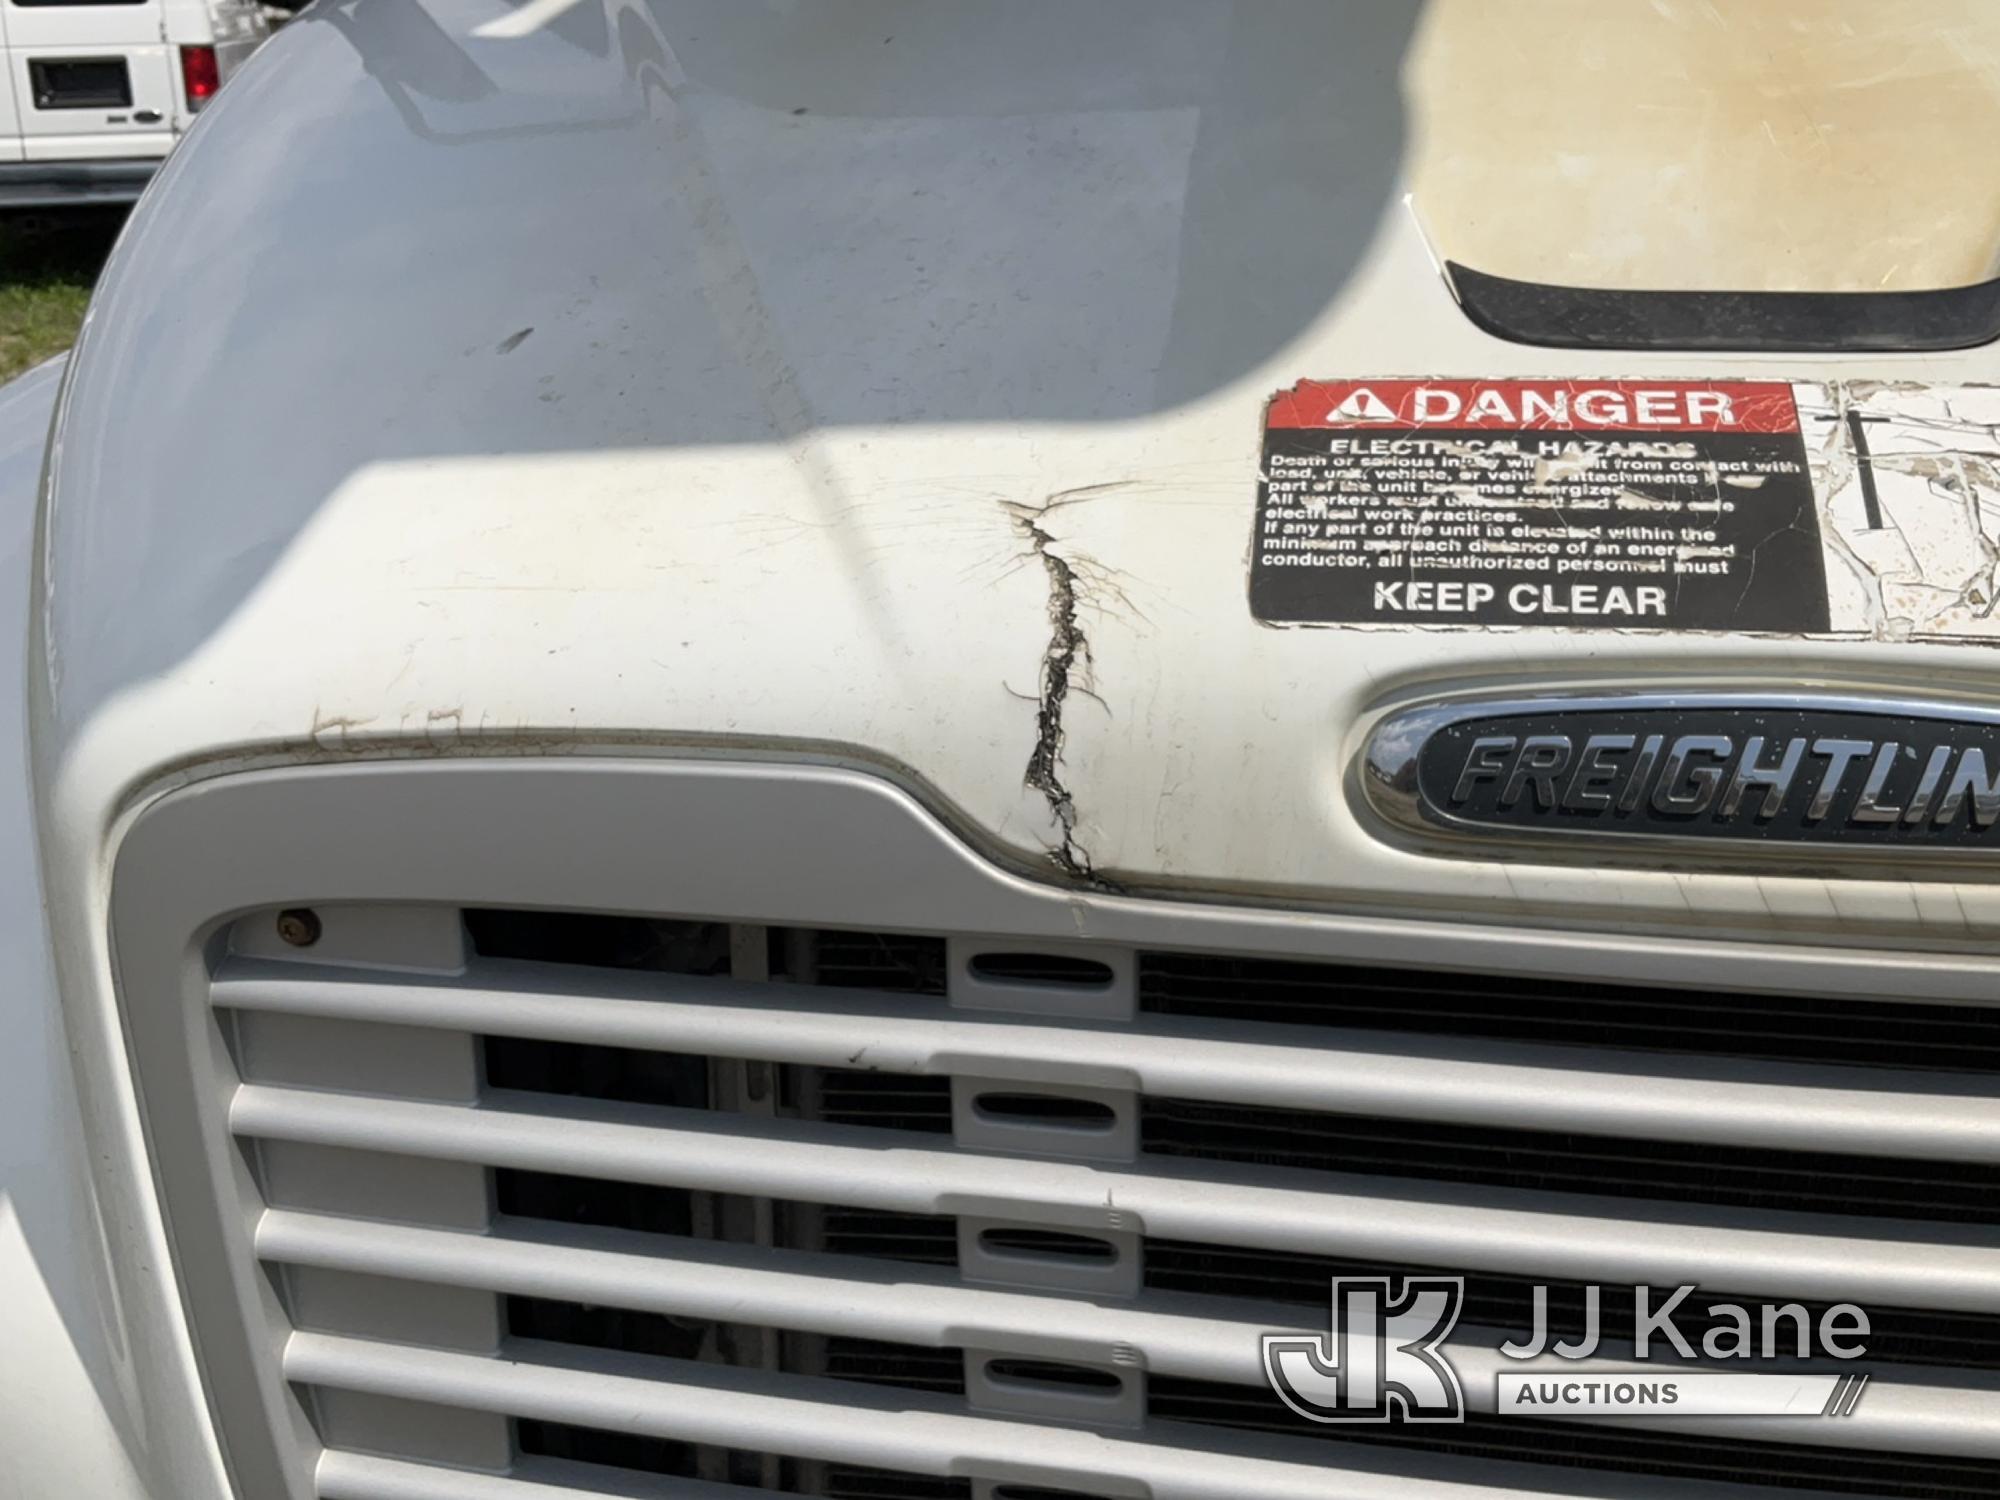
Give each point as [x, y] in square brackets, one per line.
[299, 927]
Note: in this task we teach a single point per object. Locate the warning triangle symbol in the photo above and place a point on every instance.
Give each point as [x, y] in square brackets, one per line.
[1362, 405]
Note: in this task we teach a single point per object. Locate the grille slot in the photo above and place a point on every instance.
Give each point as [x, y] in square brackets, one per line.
[1048, 1373]
[908, 1367]
[1806, 1182]
[1665, 1455]
[1045, 1243]
[614, 1450]
[601, 941]
[918, 1239]
[879, 1484]
[621, 1074]
[635, 1455]
[1047, 1109]
[607, 1328]
[872, 1361]
[1764, 1028]
[1042, 968]
[882, 1100]
[725, 1174]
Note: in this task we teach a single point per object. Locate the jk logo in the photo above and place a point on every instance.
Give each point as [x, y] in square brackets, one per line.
[1381, 1360]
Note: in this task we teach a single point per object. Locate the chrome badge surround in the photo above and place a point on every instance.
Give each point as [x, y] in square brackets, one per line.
[1857, 819]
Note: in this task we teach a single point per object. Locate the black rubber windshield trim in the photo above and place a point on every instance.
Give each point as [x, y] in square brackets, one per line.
[1571, 317]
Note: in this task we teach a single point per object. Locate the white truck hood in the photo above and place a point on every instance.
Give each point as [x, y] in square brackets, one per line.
[880, 384]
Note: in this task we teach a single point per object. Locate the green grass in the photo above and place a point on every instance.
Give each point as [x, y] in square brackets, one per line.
[47, 266]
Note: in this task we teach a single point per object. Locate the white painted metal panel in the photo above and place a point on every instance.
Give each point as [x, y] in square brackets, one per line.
[56, 132]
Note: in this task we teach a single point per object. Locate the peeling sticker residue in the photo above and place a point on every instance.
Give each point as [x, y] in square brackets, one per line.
[1908, 480]
[1858, 508]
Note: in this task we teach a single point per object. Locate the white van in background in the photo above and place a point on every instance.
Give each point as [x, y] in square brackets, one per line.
[96, 92]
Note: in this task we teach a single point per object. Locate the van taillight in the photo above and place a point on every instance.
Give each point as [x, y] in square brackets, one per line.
[200, 77]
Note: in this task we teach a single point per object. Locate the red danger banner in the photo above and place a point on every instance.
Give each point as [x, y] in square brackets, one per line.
[1632, 504]
[1636, 406]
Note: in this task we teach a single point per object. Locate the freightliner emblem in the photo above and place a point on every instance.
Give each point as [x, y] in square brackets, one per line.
[1774, 772]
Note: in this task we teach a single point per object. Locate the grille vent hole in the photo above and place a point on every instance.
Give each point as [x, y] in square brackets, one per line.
[600, 1327]
[605, 942]
[1047, 1244]
[1572, 1446]
[1046, 1109]
[645, 1455]
[916, 1367]
[1779, 1028]
[894, 962]
[1538, 1161]
[1051, 1374]
[918, 1239]
[844, 1482]
[593, 1201]
[576, 1070]
[617, 1450]
[909, 1367]
[1043, 968]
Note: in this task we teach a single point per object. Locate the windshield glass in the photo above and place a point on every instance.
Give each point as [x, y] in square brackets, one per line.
[1825, 145]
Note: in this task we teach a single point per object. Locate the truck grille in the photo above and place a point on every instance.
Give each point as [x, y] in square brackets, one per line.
[585, 1205]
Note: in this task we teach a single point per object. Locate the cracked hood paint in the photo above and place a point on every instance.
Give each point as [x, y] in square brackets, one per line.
[878, 383]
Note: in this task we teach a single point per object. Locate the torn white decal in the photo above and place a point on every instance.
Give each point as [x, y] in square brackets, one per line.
[1908, 480]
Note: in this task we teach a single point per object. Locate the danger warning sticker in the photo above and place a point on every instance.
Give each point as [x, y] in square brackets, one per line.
[1669, 505]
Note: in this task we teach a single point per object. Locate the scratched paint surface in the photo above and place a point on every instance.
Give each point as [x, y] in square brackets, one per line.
[1908, 480]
